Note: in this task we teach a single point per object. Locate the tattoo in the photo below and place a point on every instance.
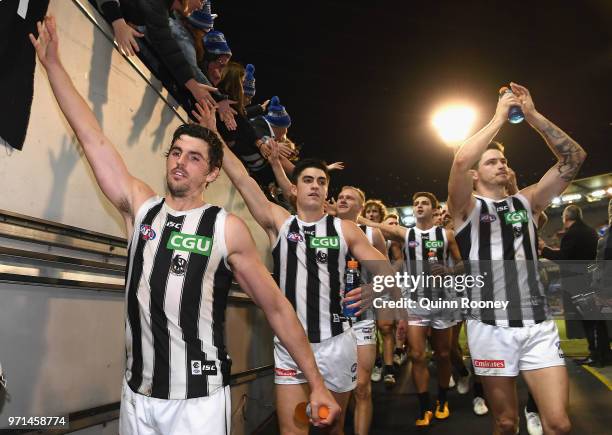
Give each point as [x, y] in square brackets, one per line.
[570, 161]
[553, 132]
[569, 153]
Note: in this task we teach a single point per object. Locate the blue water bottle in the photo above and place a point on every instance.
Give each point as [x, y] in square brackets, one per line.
[351, 281]
[515, 114]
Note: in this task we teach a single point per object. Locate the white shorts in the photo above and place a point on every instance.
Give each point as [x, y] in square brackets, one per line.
[336, 358]
[505, 351]
[143, 415]
[434, 323]
[365, 332]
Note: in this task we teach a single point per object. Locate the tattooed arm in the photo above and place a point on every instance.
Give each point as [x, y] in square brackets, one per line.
[569, 154]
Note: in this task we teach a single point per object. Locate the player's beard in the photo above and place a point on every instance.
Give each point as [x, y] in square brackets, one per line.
[177, 191]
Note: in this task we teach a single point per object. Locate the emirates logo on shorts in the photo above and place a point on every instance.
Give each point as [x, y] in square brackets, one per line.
[490, 363]
[284, 372]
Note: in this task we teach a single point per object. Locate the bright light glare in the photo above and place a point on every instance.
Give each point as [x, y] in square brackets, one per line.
[454, 123]
[571, 197]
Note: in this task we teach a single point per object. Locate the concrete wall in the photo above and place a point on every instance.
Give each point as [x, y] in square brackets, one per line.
[63, 349]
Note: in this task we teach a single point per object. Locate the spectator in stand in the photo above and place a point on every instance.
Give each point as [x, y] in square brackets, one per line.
[217, 54]
[155, 19]
[252, 110]
[274, 124]
[189, 32]
[602, 283]
[243, 141]
[125, 31]
[578, 245]
[154, 15]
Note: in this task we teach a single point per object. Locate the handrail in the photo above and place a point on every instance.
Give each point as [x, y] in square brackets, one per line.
[236, 294]
[33, 223]
[45, 281]
[60, 259]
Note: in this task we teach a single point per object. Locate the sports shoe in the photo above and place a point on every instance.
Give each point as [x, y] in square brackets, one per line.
[534, 425]
[426, 420]
[389, 380]
[403, 358]
[480, 407]
[451, 382]
[376, 375]
[463, 385]
[397, 359]
[442, 414]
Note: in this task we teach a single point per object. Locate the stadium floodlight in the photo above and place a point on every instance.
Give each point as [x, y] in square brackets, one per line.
[571, 197]
[454, 123]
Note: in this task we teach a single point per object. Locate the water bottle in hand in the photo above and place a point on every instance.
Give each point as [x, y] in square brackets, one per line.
[351, 281]
[515, 114]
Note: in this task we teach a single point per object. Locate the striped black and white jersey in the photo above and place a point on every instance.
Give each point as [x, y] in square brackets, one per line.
[177, 285]
[309, 265]
[419, 246]
[363, 273]
[499, 239]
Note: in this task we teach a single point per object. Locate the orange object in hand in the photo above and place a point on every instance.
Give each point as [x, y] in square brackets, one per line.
[303, 412]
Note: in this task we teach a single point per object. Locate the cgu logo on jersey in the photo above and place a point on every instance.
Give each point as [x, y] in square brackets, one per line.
[190, 243]
[146, 232]
[332, 242]
[434, 244]
[516, 217]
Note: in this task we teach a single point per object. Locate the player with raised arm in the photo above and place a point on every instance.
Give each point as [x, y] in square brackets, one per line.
[309, 250]
[496, 232]
[182, 255]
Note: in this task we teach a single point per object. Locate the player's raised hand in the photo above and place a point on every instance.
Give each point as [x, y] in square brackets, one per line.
[47, 43]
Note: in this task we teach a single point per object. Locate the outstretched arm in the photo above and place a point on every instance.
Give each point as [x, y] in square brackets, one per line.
[255, 280]
[267, 214]
[379, 242]
[375, 262]
[396, 233]
[276, 162]
[569, 154]
[123, 190]
[460, 199]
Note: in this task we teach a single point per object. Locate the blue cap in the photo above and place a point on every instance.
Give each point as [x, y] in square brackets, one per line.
[215, 43]
[249, 81]
[203, 19]
[277, 115]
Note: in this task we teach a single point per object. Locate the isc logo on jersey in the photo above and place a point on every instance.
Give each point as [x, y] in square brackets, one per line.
[190, 243]
[434, 244]
[332, 242]
[516, 217]
[203, 368]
